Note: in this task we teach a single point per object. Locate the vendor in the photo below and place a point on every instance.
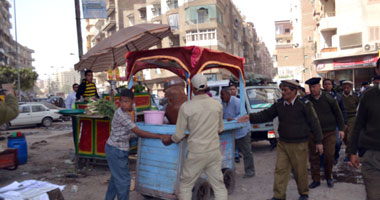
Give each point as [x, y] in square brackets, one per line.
[87, 89]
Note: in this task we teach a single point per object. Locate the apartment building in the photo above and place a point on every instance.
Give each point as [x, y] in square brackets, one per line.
[8, 45]
[347, 39]
[295, 47]
[214, 24]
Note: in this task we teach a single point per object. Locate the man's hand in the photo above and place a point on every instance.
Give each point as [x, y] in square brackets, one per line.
[341, 135]
[230, 119]
[243, 119]
[166, 140]
[319, 148]
[354, 161]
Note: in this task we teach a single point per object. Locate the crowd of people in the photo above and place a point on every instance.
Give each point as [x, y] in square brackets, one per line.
[312, 128]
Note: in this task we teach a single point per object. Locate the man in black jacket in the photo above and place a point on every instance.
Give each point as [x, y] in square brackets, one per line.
[366, 140]
[330, 116]
[297, 119]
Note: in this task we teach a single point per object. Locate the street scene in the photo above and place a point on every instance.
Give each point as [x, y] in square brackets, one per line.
[190, 99]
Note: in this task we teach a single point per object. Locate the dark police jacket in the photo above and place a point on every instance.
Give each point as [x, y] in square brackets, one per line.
[329, 114]
[296, 121]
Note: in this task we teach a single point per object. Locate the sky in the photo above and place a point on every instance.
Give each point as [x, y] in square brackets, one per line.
[49, 28]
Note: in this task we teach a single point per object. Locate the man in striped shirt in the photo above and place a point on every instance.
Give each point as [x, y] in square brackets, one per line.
[87, 89]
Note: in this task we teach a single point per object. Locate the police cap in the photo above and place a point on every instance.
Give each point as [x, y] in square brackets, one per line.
[313, 81]
[291, 83]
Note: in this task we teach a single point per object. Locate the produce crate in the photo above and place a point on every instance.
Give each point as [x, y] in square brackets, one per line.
[8, 159]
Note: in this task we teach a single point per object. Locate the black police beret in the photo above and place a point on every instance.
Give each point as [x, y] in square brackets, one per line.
[313, 81]
[365, 83]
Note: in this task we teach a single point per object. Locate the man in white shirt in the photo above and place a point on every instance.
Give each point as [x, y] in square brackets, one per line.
[70, 100]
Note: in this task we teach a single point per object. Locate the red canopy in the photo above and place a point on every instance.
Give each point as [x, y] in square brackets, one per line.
[179, 60]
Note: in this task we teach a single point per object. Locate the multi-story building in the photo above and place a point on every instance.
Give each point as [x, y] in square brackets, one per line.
[8, 45]
[214, 24]
[347, 39]
[295, 47]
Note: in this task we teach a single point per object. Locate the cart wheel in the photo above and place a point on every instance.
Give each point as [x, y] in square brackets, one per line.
[12, 168]
[201, 190]
[229, 180]
[149, 197]
[80, 162]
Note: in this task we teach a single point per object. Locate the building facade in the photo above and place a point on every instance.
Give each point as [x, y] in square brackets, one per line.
[213, 24]
[347, 39]
[8, 53]
[295, 48]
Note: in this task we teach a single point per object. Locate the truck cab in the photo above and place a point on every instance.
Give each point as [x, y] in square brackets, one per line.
[259, 98]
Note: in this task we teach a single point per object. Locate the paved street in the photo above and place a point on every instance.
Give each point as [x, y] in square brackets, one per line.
[50, 149]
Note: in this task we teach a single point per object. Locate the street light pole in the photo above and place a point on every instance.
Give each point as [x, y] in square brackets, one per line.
[17, 65]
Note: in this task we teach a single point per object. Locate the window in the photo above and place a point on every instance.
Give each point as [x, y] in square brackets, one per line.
[37, 108]
[24, 109]
[278, 30]
[287, 30]
[350, 41]
[286, 57]
[219, 16]
[374, 33]
[173, 21]
[202, 15]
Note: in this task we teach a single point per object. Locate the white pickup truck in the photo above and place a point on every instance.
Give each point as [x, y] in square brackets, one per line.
[258, 98]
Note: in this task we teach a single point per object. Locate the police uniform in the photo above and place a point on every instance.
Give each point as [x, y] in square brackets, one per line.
[351, 102]
[296, 120]
[330, 116]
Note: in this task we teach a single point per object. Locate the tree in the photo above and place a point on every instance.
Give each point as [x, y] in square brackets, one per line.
[28, 77]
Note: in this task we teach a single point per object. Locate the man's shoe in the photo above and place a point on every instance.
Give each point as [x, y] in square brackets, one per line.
[314, 184]
[330, 183]
[249, 175]
[304, 197]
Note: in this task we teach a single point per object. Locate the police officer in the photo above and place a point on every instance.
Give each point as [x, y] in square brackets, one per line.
[297, 119]
[351, 102]
[330, 116]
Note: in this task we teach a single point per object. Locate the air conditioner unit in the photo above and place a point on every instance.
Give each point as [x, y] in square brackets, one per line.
[168, 2]
[153, 9]
[371, 47]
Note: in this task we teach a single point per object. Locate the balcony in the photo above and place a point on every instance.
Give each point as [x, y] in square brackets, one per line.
[111, 22]
[110, 7]
[329, 49]
[328, 22]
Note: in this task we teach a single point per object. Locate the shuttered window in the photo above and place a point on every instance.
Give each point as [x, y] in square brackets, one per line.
[350, 41]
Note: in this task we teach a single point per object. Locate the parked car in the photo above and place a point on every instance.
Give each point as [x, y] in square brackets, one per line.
[57, 101]
[258, 98]
[34, 113]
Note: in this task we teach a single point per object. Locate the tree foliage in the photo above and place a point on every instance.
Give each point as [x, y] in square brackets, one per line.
[28, 77]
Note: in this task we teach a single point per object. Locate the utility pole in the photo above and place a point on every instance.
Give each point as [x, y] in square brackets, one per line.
[79, 29]
[79, 34]
[17, 64]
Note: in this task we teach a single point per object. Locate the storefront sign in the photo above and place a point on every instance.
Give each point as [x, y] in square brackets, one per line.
[325, 67]
[357, 62]
[94, 9]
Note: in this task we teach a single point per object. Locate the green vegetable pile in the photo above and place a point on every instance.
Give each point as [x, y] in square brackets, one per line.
[101, 107]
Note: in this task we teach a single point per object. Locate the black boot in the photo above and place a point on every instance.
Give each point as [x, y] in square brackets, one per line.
[314, 184]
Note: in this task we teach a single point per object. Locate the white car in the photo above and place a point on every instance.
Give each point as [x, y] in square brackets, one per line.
[33, 113]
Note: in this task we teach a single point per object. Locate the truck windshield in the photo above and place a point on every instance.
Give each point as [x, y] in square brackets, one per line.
[262, 97]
